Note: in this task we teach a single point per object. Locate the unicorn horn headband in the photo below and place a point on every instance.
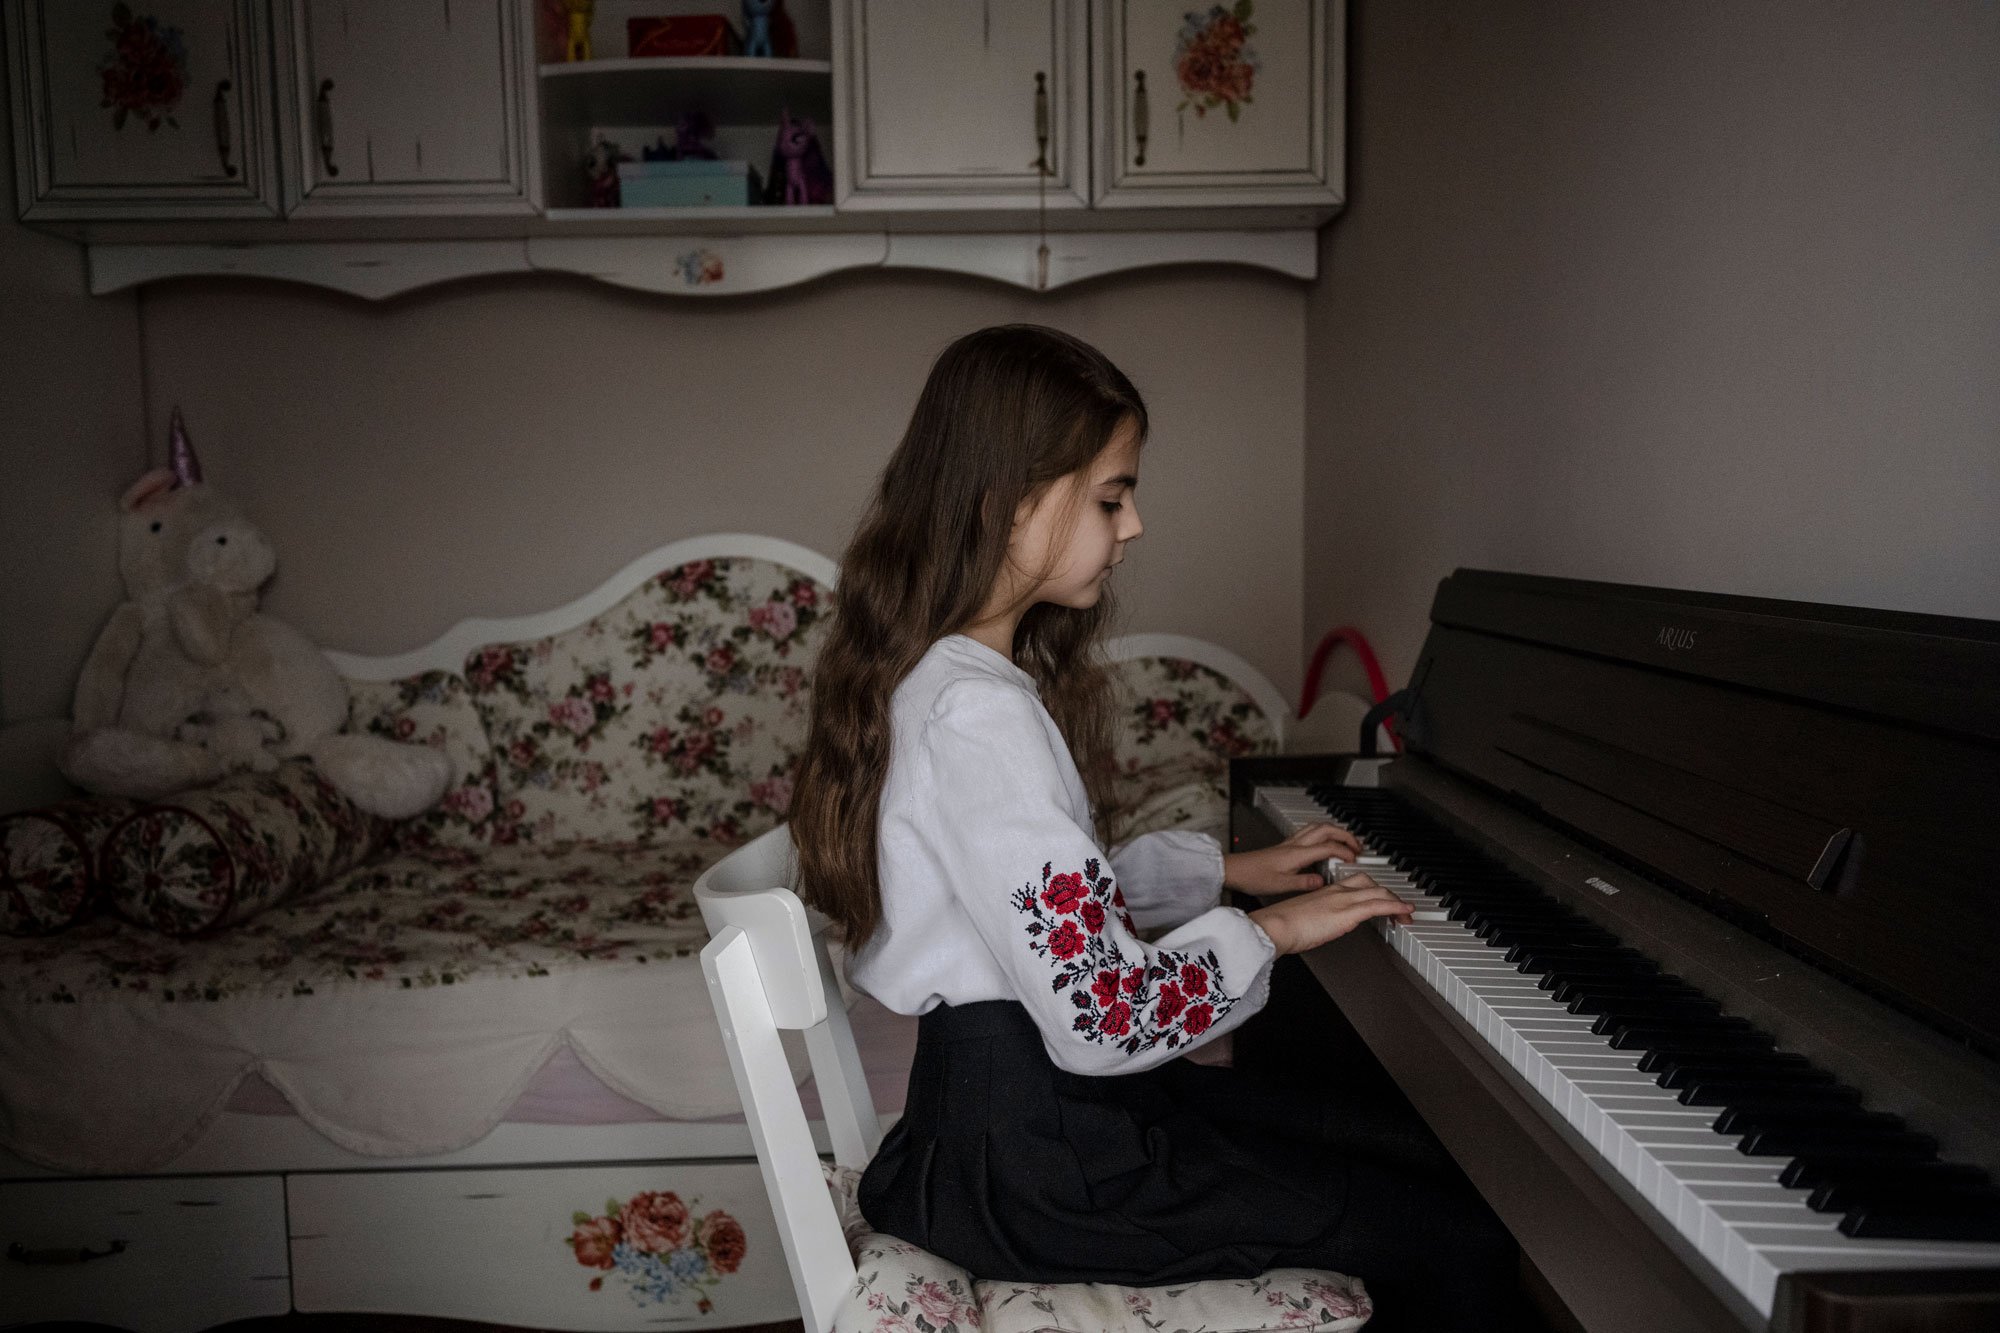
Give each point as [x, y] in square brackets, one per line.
[180, 454]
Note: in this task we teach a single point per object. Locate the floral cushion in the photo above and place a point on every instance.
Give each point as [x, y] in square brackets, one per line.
[420, 918]
[48, 862]
[679, 711]
[1179, 724]
[434, 709]
[900, 1288]
[220, 854]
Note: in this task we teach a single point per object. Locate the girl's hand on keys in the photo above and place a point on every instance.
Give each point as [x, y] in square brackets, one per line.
[1311, 919]
[1289, 866]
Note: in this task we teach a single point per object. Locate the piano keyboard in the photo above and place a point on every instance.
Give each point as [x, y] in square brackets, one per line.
[1758, 1160]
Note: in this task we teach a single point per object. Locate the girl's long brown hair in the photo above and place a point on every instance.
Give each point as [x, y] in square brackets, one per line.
[1006, 413]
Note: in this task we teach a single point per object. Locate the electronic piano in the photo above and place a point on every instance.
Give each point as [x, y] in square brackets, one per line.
[1702, 988]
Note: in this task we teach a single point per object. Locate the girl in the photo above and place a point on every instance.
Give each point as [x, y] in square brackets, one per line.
[943, 818]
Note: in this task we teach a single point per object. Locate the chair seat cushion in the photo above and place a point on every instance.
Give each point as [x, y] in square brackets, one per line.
[899, 1287]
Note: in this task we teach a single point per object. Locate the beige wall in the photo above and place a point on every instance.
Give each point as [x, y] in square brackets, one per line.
[501, 446]
[1697, 294]
[70, 442]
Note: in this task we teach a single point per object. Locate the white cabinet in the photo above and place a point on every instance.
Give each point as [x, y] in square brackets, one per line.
[169, 1254]
[944, 101]
[1237, 103]
[414, 107]
[157, 109]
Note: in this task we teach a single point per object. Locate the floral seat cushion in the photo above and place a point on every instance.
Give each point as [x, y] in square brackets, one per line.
[900, 1288]
[678, 711]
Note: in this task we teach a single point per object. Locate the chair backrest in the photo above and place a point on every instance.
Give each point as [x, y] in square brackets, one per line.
[768, 970]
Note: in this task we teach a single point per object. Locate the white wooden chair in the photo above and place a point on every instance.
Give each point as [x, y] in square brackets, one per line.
[768, 970]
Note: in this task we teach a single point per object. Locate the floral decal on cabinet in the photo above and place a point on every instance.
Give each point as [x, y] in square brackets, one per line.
[145, 72]
[1215, 68]
[660, 1246]
[699, 267]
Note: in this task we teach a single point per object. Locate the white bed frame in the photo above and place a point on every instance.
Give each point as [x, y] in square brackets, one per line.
[262, 1215]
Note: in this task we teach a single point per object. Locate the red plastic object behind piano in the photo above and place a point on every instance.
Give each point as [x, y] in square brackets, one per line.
[1378, 684]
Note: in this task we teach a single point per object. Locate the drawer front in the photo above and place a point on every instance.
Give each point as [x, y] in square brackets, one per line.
[121, 1252]
[616, 1247]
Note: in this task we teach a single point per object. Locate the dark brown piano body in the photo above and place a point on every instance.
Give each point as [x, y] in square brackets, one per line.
[1799, 806]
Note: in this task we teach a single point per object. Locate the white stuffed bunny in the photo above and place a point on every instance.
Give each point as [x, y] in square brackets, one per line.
[187, 682]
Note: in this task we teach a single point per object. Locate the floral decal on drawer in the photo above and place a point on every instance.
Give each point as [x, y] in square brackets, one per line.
[1215, 68]
[145, 71]
[660, 1246]
[699, 267]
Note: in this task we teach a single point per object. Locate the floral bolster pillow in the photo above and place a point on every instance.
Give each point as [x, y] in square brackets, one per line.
[48, 862]
[212, 857]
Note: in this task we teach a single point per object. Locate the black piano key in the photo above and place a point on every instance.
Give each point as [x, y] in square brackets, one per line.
[1586, 946]
[1975, 1221]
[1672, 1041]
[1845, 1121]
[1910, 1189]
[1806, 1141]
[1585, 983]
[1727, 1092]
[1665, 1060]
[1617, 1005]
[1776, 1067]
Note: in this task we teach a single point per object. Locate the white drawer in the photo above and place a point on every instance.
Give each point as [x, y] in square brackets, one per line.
[165, 1254]
[496, 1246]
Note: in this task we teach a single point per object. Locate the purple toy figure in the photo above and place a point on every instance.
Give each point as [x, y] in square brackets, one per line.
[799, 173]
[691, 135]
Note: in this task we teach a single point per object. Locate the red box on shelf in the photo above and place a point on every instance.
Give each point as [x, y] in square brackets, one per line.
[680, 35]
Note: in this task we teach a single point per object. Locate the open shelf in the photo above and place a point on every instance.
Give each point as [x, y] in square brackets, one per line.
[732, 89]
[753, 64]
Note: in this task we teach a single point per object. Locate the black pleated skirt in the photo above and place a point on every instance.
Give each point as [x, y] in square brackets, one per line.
[1016, 1169]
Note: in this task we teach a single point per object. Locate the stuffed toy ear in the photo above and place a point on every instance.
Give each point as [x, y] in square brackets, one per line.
[149, 487]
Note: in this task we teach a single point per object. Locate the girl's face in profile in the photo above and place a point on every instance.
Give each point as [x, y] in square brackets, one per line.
[1073, 540]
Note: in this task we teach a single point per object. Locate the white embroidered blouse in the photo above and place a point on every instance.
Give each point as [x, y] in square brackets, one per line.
[994, 888]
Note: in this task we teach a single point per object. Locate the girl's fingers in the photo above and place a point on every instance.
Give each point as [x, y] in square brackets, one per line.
[1327, 835]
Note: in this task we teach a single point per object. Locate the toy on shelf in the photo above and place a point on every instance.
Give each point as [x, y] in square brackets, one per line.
[692, 133]
[680, 35]
[799, 171]
[580, 13]
[187, 682]
[768, 30]
[600, 172]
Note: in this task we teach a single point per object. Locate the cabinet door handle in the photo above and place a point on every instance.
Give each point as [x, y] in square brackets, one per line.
[83, 1254]
[221, 106]
[1042, 162]
[323, 113]
[1139, 116]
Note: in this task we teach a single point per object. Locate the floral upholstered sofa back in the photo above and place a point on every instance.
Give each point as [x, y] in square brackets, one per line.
[677, 712]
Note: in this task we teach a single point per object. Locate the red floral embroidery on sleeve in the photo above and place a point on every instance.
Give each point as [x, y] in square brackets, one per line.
[1174, 998]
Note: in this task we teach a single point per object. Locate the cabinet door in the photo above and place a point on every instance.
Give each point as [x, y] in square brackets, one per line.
[941, 102]
[1229, 103]
[411, 107]
[149, 109]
